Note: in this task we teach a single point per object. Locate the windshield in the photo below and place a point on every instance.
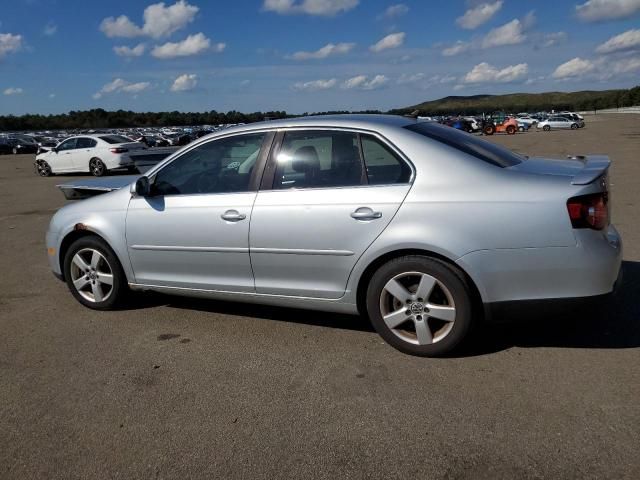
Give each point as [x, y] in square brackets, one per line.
[469, 144]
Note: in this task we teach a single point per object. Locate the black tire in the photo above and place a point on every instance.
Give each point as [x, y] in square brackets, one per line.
[97, 167]
[511, 130]
[119, 288]
[574, 126]
[546, 128]
[450, 277]
[43, 168]
[521, 129]
[489, 130]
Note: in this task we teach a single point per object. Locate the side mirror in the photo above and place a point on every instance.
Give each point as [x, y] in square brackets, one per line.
[142, 187]
[54, 149]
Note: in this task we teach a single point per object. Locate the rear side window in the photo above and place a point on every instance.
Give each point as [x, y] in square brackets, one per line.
[319, 159]
[383, 166]
[86, 143]
[469, 144]
[113, 139]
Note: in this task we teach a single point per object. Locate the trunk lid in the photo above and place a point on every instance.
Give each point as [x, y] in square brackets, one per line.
[580, 170]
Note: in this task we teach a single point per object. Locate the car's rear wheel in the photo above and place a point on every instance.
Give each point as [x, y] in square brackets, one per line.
[97, 167]
[43, 169]
[511, 129]
[546, 128]
[420, 305]
[94, 274]
[489, 130]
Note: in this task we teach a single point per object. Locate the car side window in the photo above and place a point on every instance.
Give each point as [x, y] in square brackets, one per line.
[68, 144]
[86, 143]
[318, 159]
[217, 166]
[383, 166]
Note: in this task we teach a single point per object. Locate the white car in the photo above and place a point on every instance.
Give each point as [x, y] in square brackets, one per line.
[557, 122]
[96, 154]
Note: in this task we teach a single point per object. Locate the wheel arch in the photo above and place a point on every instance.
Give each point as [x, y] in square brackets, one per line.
[81, 230]
[365, 277]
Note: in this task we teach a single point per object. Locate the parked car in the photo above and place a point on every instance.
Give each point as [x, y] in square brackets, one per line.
[5, 148]
[22, 146]
[557, 122]
[96, 154]
[402, 221]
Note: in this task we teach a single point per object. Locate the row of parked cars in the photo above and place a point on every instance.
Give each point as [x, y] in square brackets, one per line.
[501, 122]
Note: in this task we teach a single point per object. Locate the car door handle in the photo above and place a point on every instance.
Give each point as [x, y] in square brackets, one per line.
[365, 213]
[233, 216]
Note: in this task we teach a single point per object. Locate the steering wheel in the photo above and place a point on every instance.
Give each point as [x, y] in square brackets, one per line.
[207, 182]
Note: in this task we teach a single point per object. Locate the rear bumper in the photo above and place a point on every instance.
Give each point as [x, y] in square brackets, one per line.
[589, 268]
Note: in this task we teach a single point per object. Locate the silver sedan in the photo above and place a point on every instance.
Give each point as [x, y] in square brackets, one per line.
[419, 227]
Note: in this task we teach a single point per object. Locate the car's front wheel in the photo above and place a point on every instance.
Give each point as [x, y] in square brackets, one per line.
[42, 168]
[546, 128]
[94, 274]
[420, 305]
[97, 167]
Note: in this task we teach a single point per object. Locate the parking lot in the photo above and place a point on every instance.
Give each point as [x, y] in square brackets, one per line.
[181, 388]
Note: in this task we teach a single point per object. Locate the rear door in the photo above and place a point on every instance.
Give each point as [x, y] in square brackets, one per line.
[326, 195]
[84, 151]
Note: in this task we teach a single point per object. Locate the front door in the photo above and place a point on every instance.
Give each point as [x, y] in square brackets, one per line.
[323, 210]
[193, 231]
[62, 158]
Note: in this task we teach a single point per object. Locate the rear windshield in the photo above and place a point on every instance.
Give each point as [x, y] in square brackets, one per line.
[115, 139]
[469, 144]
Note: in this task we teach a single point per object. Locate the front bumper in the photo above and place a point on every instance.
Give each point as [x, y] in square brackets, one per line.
[53, 252]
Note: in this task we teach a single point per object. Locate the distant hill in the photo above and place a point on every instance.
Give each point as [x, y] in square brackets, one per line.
[528, 102]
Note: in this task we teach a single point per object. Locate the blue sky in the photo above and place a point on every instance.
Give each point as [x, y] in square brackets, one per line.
[305, 55]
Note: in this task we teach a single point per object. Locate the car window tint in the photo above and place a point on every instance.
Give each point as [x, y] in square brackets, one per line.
[85, 143]
[217, 166]
[68, 144]
[383, 166]
[113, 139]
[469, 144]
[318, 159]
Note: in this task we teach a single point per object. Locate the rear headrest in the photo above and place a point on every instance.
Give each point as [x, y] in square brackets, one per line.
[305, 159]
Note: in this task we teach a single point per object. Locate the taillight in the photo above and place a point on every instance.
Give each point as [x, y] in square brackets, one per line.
[118, 150]
[589, 211]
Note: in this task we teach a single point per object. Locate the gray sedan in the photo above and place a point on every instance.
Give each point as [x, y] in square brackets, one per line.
[419, 227]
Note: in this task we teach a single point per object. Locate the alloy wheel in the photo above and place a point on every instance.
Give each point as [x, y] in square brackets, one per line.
[417, 308]
[91, 275]
[97, 167]
[43, 169]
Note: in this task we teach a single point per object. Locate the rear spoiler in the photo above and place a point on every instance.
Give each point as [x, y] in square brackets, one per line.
[594, 167]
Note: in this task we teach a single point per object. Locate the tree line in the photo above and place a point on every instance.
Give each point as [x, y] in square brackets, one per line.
[100, 118]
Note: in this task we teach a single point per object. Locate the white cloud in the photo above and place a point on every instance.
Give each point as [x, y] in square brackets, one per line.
[552, 39]
[159, 21]
[185, 82]
[324, 52]
[9, 43]
[324, 8]
[485, 73]
[50, 29]
[390, 41]
[629, 65]
[511, 33]
[120, 27]
[120, 85]
[629, 40]
[474, 17]
[603, 10]
[315, 85]
[413, 78]
[456, 48]
[52, 95]
[362, 82]
[394, 11]
[573, 68]
[192, 45]
[13, 91]
[129, 52]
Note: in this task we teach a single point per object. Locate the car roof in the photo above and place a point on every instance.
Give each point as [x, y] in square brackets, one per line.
[356, 121]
